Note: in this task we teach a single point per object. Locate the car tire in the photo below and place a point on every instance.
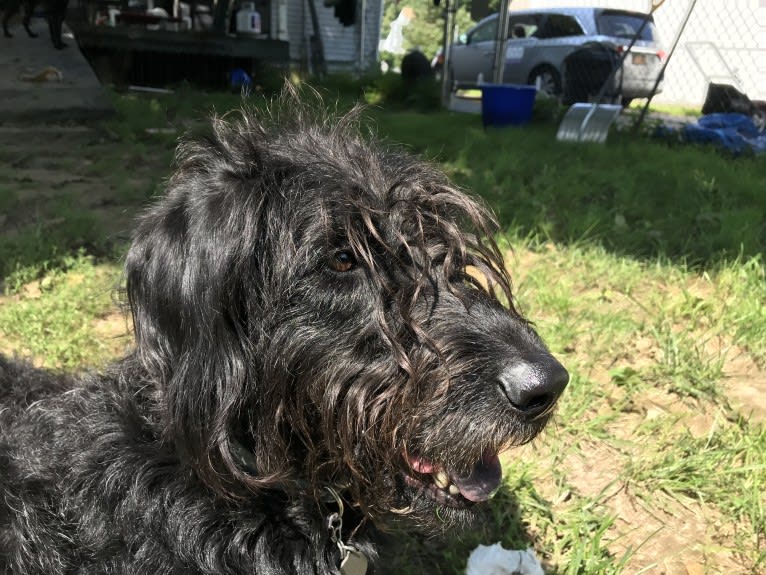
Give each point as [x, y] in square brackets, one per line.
[550, 80]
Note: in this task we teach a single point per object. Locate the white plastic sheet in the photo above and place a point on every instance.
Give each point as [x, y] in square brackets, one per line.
[495, 560]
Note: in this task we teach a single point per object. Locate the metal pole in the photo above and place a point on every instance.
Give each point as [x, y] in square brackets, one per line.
[648, 103]
[362, 28]
[501, 41]
[315, 44]
[450, 8]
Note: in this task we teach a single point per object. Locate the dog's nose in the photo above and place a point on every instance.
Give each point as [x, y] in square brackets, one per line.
[533, 384]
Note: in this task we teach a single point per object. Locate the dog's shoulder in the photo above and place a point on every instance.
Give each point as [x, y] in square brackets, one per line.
[22, 383]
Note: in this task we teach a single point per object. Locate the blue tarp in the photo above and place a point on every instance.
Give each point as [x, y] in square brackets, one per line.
[736, 133]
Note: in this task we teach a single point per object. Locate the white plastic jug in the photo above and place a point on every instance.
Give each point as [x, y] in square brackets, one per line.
[248, 19]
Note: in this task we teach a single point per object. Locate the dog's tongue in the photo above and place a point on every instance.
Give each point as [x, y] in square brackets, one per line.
[483, 480]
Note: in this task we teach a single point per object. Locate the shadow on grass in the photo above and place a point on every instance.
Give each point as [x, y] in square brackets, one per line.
[410, 553]
[78, 190]
[636, 195]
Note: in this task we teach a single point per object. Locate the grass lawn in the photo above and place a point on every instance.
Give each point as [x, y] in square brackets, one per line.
[641, 263]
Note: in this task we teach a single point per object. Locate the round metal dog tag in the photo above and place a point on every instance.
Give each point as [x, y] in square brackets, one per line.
[354, 563]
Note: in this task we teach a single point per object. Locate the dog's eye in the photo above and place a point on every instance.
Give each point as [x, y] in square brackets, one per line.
[342, 261]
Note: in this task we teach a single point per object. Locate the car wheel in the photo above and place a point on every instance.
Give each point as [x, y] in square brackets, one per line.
[549, 80]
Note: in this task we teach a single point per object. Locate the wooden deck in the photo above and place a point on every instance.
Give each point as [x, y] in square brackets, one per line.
[139, 39]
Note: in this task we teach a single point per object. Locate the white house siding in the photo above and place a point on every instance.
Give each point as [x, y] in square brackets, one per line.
[342, 44]
[723, 41]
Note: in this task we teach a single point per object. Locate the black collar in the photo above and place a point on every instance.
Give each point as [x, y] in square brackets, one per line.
[352, 561]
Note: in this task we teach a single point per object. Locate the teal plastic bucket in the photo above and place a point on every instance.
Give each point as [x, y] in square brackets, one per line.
[507, 104]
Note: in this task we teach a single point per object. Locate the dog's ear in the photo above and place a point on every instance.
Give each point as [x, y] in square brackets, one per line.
[190, 277]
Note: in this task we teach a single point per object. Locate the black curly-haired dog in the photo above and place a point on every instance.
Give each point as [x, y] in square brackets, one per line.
[325, 339]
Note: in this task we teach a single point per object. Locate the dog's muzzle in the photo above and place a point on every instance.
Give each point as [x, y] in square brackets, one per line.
[533, 384]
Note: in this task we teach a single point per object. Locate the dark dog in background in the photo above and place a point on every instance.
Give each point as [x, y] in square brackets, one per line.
[55, 13]
[325, 341]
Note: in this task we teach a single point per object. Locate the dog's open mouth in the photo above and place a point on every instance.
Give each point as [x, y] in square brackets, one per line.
[452, 489]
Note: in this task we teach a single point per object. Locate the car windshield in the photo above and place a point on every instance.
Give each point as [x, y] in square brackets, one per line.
[624, 25]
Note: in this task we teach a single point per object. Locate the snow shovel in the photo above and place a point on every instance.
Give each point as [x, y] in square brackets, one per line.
[587, 122]
[590, 122]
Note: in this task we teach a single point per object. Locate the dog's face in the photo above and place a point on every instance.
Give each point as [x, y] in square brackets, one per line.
[340, 312]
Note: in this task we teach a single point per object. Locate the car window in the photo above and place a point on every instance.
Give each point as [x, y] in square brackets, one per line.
[523, 25]
[623, 25]
[560, 26]
[487, 32]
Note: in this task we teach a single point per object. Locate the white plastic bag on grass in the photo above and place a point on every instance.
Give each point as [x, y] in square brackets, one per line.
[494, 560]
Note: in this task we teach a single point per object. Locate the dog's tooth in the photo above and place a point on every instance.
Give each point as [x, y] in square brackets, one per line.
[441, 479]
[453, 490]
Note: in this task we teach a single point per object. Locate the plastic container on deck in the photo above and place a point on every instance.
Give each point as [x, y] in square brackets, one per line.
[248, 19]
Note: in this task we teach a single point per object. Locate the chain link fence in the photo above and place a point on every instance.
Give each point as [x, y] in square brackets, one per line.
[722, 43]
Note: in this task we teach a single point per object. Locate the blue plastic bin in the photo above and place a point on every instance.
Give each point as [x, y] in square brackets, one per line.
[507, 104]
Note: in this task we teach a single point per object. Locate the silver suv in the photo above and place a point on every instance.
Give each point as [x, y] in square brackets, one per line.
[540, 40]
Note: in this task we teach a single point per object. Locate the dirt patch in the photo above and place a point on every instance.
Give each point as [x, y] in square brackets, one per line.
[745, 385]
[76, 178]
[672, 537]
[115, 330]
[82, 177]
[660, 533]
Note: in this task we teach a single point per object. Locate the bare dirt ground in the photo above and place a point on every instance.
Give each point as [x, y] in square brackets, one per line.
[662, 534]
[54, 174]
[45, 167]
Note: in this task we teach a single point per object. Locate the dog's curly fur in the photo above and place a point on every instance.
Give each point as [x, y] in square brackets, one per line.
[311, 310]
